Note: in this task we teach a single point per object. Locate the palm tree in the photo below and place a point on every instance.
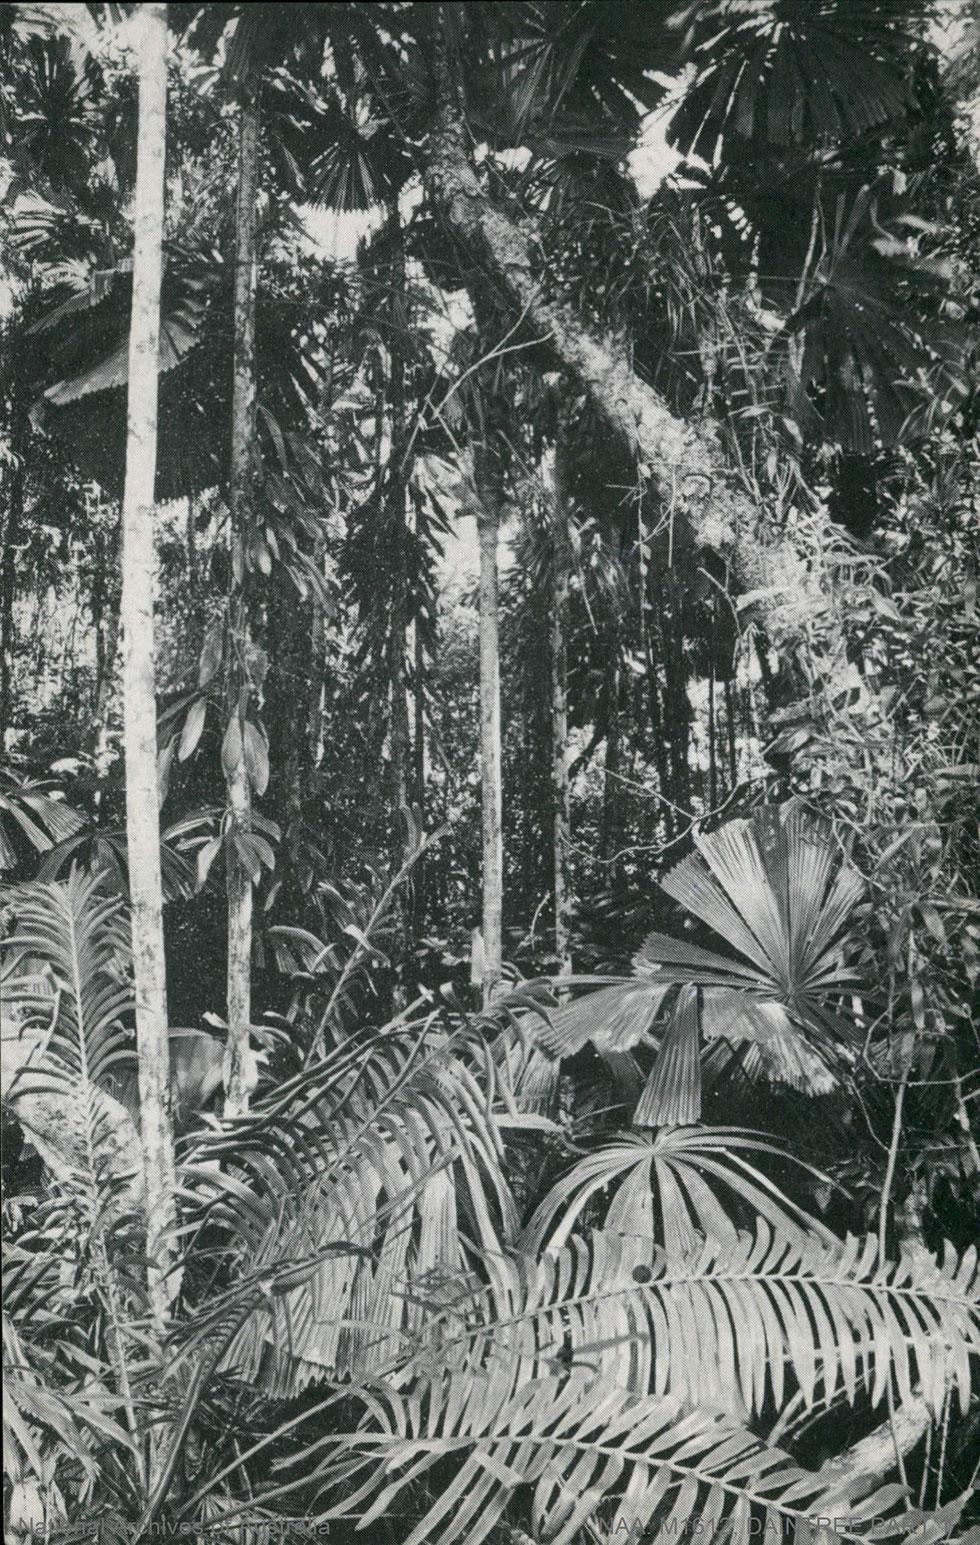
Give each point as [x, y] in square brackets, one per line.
[139, 697]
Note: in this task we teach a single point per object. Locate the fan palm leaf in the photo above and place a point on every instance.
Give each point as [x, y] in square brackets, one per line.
[792, 72]
[56, 121]
[873, 333]
[677, 1187]
[774, 889]
[32, 810]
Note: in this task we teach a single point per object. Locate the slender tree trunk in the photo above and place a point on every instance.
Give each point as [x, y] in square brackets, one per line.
[396, 480]
[491, 771]
[712, 753]
[107, 629]
[418, 752]
[139, 700]
[291, 709]
[98, 606]
[559, 715]
[678, 702]
[611, 790]
[238, 879]
[401, 750]
[13, 491]
[658, 725]
[319, 663]
[401, 743]
[730, 731]
[103, 703]
[190, 533]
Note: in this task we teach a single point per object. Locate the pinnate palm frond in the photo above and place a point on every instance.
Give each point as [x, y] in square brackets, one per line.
[732, 1325]
[74, 998]
[68, 1007]
[597, 1378]
[574, 1449]
[34, 1415]
[75, 1419]
[346, 1200]
[73, 984]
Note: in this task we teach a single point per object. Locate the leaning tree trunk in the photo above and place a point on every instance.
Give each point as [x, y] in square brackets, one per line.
[491, 771]
[559, 713]
[139, 697]
[238, 878]
[685, 461]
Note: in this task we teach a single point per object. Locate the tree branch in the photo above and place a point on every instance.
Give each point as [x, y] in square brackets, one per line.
[685, 460]
[876, 1453]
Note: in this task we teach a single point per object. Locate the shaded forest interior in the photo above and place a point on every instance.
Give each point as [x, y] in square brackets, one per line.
[489, 761]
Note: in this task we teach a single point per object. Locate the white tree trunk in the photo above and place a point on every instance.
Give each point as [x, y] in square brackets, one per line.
[559, 713]
[139, 698]
[239, 883]
[490, 751]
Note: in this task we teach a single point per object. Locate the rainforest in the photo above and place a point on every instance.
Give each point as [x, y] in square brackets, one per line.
[489, 696]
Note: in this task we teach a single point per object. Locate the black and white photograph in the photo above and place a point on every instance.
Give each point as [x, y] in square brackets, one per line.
[489, 772]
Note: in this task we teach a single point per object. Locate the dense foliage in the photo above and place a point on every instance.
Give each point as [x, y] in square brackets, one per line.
[660, 319]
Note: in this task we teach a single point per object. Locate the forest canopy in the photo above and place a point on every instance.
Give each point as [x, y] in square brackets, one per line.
[489, 768]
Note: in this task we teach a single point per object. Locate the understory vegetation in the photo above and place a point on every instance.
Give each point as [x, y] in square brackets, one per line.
[488, 777]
